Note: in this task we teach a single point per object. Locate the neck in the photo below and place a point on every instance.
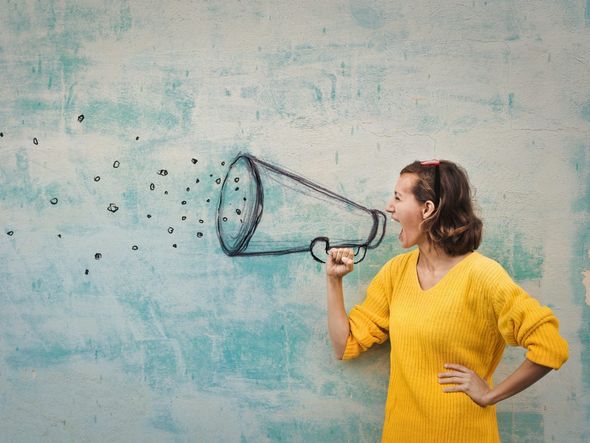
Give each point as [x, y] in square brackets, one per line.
[435, 259]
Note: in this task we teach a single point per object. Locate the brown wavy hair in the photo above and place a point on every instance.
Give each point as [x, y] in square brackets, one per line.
[453, 226]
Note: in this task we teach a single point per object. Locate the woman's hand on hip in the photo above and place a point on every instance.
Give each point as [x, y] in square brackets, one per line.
[340, 262]
[467, 381]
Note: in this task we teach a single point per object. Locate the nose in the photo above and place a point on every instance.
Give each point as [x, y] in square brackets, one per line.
[390, 207]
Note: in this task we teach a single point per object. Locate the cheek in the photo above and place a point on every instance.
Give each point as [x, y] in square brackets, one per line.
[407, 216]
[412, 219]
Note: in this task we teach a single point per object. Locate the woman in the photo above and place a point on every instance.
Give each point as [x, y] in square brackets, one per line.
[448, 312]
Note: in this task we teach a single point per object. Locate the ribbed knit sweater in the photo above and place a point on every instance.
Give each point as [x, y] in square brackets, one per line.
[467, 318]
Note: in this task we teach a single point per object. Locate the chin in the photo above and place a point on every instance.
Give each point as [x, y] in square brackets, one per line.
[404, 244]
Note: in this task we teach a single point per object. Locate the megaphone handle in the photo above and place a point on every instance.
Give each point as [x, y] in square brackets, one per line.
[312, 245]
[362, 257]
[358, 258]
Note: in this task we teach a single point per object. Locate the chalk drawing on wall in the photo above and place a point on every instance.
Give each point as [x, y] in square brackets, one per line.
[267, 210]
[264, 209]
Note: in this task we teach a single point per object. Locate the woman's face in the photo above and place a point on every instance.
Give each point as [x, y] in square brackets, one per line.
[406, 210]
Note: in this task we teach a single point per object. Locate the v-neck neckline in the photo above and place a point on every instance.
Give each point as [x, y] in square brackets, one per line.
[442, 280]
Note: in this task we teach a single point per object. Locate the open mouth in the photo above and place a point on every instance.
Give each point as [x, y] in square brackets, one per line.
[401, 228]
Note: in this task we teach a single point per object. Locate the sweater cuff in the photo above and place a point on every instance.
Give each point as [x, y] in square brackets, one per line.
[546, 347]
[352, 349]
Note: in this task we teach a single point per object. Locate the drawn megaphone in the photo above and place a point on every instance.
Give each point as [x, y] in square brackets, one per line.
[267, 210]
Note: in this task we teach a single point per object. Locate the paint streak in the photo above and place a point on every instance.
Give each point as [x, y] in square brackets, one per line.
[521, 426]
[511, 103]
[366, 16]
[521, 260]
[429, 123]
[528, 262]
[580, 258]
[125, 116]
[165, 422]
[123, 25]
[586, 281]
[355, 429]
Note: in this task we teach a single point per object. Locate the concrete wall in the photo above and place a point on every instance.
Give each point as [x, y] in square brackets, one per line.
[163, 337]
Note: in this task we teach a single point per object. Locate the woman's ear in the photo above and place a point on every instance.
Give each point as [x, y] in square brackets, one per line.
[427, 209]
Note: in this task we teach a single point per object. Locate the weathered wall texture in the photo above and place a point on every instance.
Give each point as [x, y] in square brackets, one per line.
[133, 325]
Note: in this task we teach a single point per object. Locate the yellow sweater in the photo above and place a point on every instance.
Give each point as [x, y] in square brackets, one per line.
[466, 318]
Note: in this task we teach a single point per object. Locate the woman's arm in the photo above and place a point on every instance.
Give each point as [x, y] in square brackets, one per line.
[340, 262]
[338, 326]
[475, 387]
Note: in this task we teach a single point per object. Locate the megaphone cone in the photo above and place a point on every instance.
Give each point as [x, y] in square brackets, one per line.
[266, 210]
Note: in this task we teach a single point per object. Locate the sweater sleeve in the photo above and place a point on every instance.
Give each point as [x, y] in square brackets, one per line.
[523, 321]
[369, 321]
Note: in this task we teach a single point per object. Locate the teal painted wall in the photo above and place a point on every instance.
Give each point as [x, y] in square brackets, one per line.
[129, 326]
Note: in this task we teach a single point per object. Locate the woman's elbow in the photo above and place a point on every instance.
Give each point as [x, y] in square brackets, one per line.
[339, 347]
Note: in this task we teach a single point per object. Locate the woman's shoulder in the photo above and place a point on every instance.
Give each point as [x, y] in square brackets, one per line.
[487, 268]
[400, 261]
[394, 268]
[483, 261]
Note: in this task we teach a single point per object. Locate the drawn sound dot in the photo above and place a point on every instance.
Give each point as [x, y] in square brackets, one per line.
[86, 272]
[97, 178]
[113, 208]
[208, 200]
[199, 234]
[218, 181]
[165, 192]
[135, 247]
[116, 164]
[197, 181]
[1, 134]
[11, 233]
[35, 141]
[149, 216]
[137, 138]
[201, 221]
[81, 118]
[210, 175]
[97, 256]
[237, 179]
[222, 163]
[188, 189]
[244, 198]
[53, 201]
[238, 211]
[184, 217]
[237, 188]
[152, 186]
[174, 245]
[194, 160]
[184, 202]
[59, 235]
[163, 172]
[224, 219]
[170, 230]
